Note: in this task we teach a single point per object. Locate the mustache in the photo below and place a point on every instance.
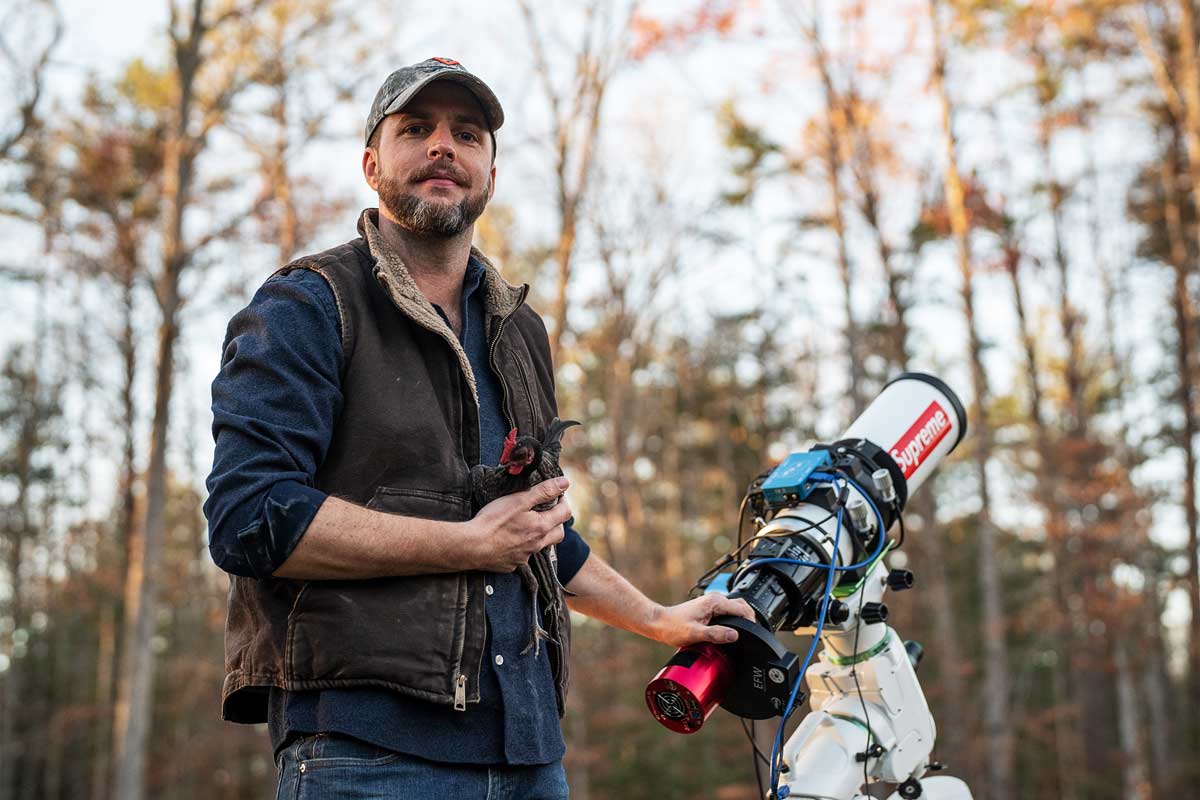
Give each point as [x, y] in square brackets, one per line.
[453, 172]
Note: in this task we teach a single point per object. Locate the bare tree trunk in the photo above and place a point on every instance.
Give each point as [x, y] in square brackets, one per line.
[831, 153]
[676, 566]
[1185, 330]
[1068, 316]
[997, 727]
[930, 568]
[135, 688]
[1155, 687]
[132, 715]
[289, 234]
[105, 656]
[899, 340]
[110, 607]
[16, 768]
[1064, 731]
[1133, 761]
[575, 128]
[1189, 80]
[1150, 679]
[13, 678]
[60, 702]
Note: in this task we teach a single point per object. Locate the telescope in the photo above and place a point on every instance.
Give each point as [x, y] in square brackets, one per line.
[815, 564]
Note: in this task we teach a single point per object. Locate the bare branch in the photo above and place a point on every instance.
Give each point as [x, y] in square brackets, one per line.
[27, 110]
[1158, 67]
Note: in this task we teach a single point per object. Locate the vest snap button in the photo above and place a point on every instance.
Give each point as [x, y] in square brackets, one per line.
[488, 589]
[499, 660]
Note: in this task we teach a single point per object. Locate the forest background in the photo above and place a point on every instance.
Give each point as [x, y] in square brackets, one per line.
[739, 220]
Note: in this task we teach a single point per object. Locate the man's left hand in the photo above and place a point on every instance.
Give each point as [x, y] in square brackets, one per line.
[687, 623]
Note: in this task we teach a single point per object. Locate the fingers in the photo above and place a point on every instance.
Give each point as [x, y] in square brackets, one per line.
[717, 634]
[735, 608]
[557, 515]
[553, 537]
[546, 491]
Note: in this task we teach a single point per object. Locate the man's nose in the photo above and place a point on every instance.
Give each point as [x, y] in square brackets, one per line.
[441, 143]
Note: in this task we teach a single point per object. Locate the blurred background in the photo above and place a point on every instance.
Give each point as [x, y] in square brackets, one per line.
[739, 220]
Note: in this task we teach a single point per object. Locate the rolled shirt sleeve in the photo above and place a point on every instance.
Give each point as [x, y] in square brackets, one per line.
[275, 401]
[572, 552]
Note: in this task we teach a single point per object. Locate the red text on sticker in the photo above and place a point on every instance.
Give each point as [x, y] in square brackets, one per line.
[919, 440]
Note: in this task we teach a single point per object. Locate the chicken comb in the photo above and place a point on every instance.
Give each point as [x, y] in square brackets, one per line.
[510, 442]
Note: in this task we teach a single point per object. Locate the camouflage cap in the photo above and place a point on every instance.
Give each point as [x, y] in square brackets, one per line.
[403, 84]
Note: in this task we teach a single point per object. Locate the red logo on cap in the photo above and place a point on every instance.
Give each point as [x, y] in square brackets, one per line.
[449, 62]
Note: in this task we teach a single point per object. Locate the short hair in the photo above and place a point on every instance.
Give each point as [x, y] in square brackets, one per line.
[376, 134]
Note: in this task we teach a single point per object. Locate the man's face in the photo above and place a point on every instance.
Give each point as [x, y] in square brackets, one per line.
[433, 166]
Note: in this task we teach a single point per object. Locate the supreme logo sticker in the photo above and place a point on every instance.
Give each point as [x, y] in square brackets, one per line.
[919, 440]
[449, 62]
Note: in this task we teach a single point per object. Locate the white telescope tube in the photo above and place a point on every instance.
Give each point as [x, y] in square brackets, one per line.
[918, 420]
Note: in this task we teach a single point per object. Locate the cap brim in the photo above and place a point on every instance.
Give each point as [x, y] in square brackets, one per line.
[485, 96]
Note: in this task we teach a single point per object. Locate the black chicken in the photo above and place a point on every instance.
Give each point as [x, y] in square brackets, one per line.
[525, 462]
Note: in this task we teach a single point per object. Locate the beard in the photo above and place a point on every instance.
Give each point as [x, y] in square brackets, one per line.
[431, 219]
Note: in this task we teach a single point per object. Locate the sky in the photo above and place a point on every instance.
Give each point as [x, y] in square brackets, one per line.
[673, 97]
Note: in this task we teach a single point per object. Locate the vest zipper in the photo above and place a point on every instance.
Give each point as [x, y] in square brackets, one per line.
[460, 684]
[508, 414]
[460, 693]
[552, 648]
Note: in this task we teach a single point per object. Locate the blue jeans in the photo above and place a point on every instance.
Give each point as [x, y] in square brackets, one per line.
[332, 767]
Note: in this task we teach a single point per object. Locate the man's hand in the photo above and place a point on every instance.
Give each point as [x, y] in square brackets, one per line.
[507, 531]
[687, 623]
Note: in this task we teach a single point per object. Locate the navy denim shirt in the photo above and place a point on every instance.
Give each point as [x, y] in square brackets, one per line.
[267, 470]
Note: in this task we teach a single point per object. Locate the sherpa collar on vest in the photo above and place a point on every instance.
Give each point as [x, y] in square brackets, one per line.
[500, 297]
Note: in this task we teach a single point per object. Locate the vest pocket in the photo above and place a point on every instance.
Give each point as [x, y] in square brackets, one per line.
[425, 503]
[405, 632]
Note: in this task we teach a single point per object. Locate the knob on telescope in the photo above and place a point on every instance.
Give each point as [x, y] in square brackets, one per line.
[873, 612]
[899, 579]
[837, 612]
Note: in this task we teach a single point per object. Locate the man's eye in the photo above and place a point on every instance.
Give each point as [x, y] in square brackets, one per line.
[415, 129]
[468, 136]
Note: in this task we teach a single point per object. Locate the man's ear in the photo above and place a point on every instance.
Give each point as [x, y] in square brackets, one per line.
[492, 183]
[370, 168]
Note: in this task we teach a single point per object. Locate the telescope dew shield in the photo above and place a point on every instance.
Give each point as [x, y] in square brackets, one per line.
[918, 420]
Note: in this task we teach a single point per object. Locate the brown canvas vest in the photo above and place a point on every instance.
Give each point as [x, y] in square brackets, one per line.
[404, 443]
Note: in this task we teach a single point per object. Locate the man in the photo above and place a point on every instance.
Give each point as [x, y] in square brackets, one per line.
[375, 619]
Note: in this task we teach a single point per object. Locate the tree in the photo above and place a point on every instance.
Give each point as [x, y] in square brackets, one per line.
[114, 179]
[997, 727]
[194, 95]
[576, 112]
[28, 37]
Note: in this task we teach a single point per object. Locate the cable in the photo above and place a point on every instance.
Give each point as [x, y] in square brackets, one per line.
[832, 569]
[732, 555]
[782, 534]
[858, 688]
[776, 748]
[849, 568]
[759, 754]
[742, 517]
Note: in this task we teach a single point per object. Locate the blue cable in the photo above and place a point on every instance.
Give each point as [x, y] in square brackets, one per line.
[831, 570]
[812, 647]
[848, 568]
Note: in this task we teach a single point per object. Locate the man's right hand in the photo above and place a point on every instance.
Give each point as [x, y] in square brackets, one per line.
[507, 531]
